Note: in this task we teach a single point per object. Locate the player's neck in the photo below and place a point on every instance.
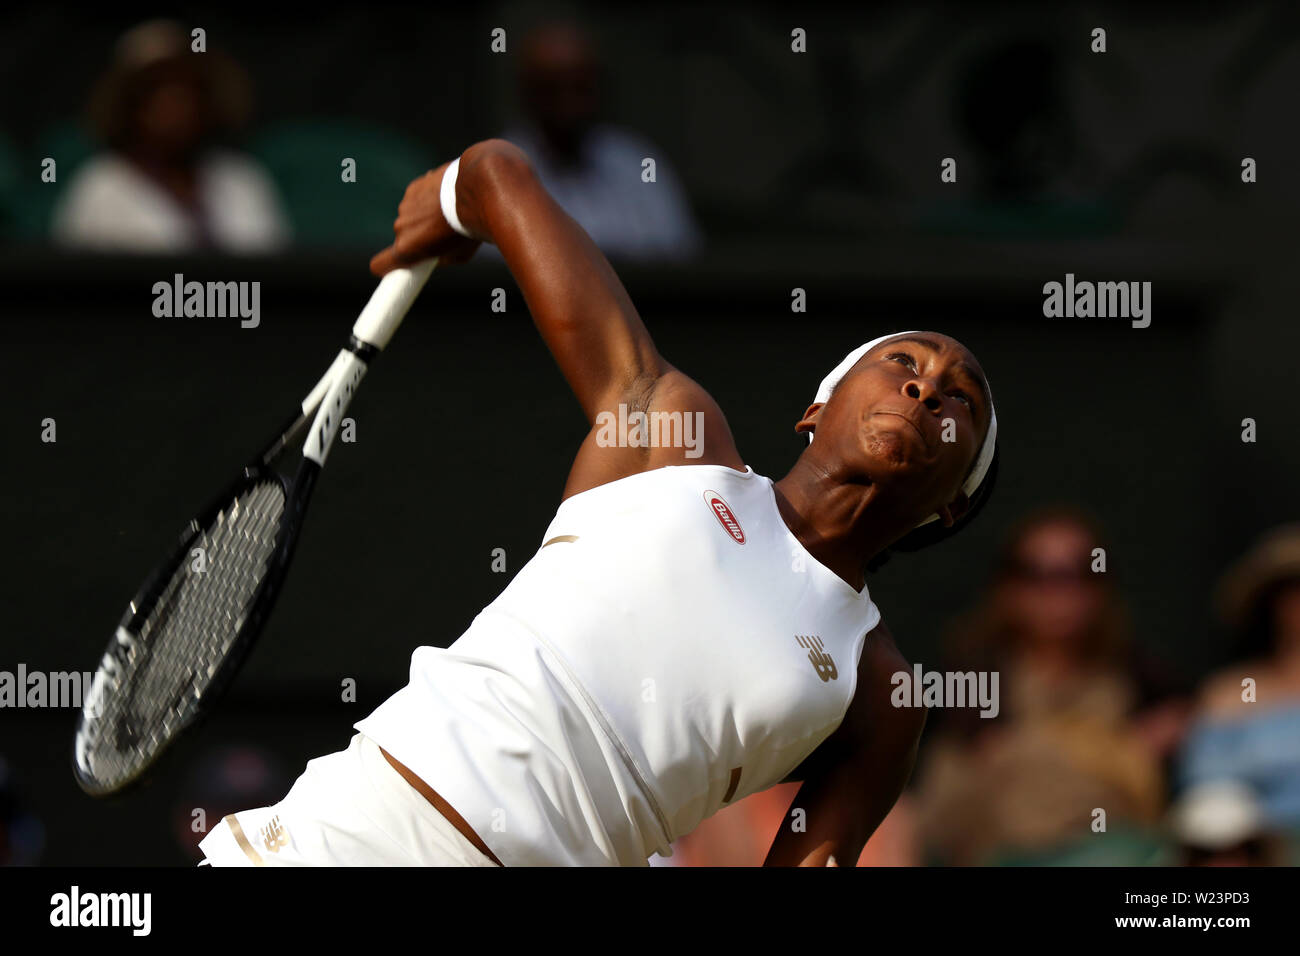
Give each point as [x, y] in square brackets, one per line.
[840, 523]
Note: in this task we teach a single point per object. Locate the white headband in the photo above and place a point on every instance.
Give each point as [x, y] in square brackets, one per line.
[982, 460]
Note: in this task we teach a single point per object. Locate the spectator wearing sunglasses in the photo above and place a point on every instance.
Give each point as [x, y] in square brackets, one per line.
[1084, 721]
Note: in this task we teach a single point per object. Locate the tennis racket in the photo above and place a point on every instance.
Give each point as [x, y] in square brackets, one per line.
[193, 622]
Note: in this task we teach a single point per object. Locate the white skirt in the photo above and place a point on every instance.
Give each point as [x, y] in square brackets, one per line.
[350, 808]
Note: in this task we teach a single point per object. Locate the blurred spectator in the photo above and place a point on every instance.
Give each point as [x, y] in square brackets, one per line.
[1012, 108]
[1010, 104]
[22, 836]
[164, 184]
[224, 781]
[593, 168]
[1221, 823]
[1250, 732]
[1083, 722]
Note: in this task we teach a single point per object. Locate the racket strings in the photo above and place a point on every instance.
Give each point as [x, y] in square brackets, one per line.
[209, 596]
[211, 600]
[194, 622]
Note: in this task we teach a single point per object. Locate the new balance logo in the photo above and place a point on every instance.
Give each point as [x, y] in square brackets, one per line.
[274, 835]
[821, 661]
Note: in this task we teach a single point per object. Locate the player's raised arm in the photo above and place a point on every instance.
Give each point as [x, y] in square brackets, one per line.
[578, 303]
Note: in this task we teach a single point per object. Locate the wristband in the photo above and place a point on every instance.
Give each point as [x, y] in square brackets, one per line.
[447, 196]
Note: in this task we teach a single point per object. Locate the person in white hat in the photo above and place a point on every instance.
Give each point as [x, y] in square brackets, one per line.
[166, 180]
[1246, 726]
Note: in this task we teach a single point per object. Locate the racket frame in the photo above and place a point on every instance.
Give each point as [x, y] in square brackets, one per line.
[323, 407]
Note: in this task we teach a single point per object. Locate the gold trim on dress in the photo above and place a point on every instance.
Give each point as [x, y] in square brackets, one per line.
[242, 840]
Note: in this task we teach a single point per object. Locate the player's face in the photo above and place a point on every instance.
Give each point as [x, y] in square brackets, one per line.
[911, 416]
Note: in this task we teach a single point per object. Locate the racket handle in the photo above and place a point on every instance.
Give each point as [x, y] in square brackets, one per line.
[390, 302]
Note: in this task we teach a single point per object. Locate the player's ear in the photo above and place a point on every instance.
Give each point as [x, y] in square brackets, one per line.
[809, 421]
[951, 512]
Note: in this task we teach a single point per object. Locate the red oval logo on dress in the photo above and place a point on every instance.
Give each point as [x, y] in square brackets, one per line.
[722, 511]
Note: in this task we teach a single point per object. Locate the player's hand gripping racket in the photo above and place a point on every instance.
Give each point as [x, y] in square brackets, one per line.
[194, 621]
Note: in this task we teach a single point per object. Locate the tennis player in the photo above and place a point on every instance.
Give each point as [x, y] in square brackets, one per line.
[688, 632]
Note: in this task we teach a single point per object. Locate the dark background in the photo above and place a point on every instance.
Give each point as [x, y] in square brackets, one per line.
[817, 171]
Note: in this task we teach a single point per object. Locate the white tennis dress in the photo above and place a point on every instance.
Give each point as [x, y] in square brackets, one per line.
[670, 648]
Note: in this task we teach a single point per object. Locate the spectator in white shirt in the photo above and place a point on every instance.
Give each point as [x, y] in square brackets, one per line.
[163, 184]
[593, 168]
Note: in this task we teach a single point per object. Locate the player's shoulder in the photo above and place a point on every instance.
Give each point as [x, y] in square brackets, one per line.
[675, 396]
[880, 651]
[876, 727]
[878, 668]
